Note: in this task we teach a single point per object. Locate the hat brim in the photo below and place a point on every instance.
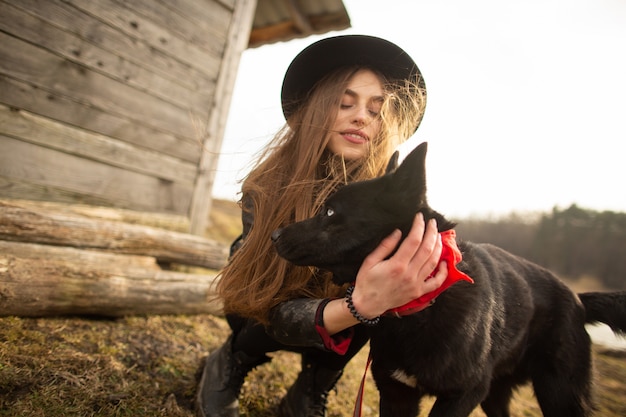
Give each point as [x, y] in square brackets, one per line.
[326, 55]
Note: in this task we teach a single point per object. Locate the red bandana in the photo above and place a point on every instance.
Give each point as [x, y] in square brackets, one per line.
[452, 255]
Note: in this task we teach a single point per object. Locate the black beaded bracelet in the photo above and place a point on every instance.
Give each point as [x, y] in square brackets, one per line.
[356, 314]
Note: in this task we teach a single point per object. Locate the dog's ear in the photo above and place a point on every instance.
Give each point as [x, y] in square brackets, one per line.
[393, 163]
[410, 176]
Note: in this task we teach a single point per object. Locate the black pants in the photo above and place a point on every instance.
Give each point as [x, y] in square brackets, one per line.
[251, 338]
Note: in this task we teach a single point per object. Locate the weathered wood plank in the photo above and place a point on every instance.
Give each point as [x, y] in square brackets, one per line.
[39, 32]
[22, 95]
[16, 188]
[91, 29]
[209, 34]
[47, 167]
[27, 224]
[29, 63]
[237, 42]
[204, 10]
[230, 4]
[140, 28]
[40, 280]
[45, 132]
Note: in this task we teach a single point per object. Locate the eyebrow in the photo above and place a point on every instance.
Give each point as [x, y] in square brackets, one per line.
[353, 93]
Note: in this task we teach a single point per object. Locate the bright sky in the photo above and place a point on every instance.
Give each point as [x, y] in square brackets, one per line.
[526, 100]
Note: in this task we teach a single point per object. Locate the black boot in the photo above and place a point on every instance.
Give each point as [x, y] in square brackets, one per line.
[307, 396]
[221, 381]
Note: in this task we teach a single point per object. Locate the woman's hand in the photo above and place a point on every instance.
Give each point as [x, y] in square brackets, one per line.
[382, 284]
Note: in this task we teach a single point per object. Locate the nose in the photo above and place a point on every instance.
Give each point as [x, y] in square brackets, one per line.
[360, 116]
[276, 235]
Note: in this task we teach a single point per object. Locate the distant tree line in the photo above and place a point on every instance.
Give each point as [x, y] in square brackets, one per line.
[572, 242]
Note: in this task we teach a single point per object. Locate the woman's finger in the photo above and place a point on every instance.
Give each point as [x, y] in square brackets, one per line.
[429, 251]
[384, 249]
[427, 257]
[411, 244]
[431, 284]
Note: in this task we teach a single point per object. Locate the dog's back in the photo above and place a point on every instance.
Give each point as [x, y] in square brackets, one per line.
[517, 322]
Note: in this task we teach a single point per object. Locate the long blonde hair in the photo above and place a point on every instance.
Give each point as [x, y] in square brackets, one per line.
[291, 181]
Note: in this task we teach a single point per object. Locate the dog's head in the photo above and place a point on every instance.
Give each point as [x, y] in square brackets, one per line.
[356, 218]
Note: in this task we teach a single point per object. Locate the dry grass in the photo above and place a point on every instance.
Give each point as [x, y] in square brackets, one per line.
[146, 366]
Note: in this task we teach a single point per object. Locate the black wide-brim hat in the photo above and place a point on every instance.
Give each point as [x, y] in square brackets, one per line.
[329, 54]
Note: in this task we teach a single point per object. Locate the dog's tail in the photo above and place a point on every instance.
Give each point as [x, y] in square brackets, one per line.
[606, 307]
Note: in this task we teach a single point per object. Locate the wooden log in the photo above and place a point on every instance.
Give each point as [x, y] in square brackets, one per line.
[39, 225]
[41, 280]
[174, 222]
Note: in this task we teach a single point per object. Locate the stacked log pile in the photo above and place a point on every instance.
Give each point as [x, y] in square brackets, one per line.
[55, 260]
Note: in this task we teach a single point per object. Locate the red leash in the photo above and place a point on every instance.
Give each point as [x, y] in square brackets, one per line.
[358, 404]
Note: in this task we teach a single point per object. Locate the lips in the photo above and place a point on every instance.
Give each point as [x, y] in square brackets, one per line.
[355, 136]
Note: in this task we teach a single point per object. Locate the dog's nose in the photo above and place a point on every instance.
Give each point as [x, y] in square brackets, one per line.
[276, 235]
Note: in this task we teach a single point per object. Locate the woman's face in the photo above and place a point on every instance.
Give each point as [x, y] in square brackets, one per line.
[358, 120]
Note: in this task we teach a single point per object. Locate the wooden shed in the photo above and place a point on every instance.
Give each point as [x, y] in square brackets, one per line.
[120, 105]
[123, 103]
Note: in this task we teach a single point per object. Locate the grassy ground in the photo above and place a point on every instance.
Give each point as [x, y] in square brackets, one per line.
[146, 366]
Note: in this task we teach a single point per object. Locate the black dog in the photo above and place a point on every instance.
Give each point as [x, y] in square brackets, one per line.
[516, 323]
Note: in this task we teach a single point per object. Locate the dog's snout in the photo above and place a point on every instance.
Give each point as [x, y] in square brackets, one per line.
[276, 235]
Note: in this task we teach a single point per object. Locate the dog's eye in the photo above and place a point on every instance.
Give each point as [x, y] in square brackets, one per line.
[329, 212]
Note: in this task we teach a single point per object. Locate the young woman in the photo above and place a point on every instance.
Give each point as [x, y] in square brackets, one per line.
[349, 101]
